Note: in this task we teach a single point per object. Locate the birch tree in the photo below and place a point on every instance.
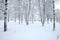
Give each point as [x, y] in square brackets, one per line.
[18, 5]
[43, 14]
[21, 15]
[5, 16]
[47, 18]
[53, 15]
[31, 10]
[15, 17]
[41, 9]
[19, 11]
[22, 9]
[27, 12]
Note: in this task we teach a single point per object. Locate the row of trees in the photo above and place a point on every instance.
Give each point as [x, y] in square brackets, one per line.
[29, 10]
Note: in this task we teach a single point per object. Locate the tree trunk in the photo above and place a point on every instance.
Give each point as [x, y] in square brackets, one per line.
[53, 16]
[32, 18]
[19, 16]
[43, 18]
[28, 12]
[15, 17]
[47, 20]
[5, 17]
[39, 10]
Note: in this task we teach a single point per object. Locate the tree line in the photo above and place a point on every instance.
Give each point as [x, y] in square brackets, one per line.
[28, 10]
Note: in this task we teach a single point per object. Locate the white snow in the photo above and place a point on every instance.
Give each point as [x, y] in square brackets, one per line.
[16, 31]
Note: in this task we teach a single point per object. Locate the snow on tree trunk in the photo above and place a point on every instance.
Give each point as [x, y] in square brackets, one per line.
[5, 17]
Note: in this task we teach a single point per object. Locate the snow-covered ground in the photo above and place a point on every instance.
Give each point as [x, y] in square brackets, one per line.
[16, 31]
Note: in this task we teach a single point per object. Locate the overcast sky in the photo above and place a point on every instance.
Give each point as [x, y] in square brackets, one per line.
[57, 4]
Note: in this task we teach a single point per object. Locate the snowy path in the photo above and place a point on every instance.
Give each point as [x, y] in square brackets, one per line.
[34, 31]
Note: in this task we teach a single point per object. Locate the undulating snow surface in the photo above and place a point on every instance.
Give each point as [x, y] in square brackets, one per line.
[33, 31]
